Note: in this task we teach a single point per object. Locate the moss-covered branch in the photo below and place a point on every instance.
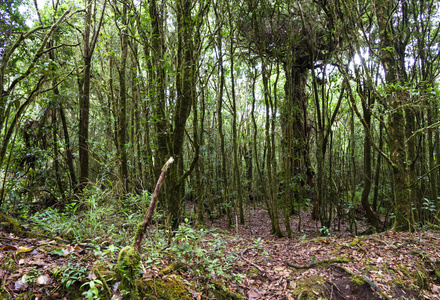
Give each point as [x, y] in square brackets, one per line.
[140, 231]
[321, 263]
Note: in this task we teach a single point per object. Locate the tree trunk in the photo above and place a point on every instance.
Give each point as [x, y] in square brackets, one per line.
[271, 158]
[122, 115]
[237, 177]
[224, 174]
[84, 102]
[368, 175]
[84, 99]
[397, 99]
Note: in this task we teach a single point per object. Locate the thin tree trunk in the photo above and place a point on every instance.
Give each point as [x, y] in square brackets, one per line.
[237, 177]
[84, 99]
[122, 115]
[371, 215]
[270, 159]
[224, 174]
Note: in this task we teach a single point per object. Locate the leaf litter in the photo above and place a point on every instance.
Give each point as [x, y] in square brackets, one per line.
[387, 265]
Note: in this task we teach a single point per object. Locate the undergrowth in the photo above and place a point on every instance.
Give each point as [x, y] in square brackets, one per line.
[96, 218]
[203, 252]
[108, 225]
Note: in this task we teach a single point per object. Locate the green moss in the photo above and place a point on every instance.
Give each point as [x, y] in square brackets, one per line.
[404, 270]
[338, 259]
[254, 272]
[13, 225]
[171, 267]
[358, 280]
[221, 292]
[170, 289]
[24, 296]
[127, 270]
[421, 277]
[3, 294]
[356, 241]
[336, 250]
[310, 288]
[139, 229]
[9, 264]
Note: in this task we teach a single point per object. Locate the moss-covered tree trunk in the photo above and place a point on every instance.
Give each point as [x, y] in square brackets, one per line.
[184, 101]
[397, 99]
[84, 101]
[127, 267]
[122, 115]
[157, 83]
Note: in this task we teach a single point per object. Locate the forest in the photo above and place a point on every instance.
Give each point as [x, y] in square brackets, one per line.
[219, 149]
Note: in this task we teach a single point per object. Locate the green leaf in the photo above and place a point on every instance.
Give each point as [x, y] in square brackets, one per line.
[58, 251]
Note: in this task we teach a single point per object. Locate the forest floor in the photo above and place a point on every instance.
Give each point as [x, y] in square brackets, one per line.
[386, 265]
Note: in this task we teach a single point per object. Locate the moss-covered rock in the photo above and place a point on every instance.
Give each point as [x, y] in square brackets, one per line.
[127, 269]
[310, 288]
[167, 289]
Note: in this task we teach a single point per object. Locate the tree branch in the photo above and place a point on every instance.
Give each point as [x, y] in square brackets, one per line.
[140, 232]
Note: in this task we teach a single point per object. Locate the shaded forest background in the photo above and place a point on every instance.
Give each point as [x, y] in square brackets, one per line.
[328, 106]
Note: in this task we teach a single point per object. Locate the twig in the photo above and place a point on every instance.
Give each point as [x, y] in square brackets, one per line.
[249, 262]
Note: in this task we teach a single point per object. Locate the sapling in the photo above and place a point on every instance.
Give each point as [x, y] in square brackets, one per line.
[129, 257]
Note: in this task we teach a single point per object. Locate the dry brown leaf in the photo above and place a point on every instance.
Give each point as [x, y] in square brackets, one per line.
[253, 295]
[44, 280]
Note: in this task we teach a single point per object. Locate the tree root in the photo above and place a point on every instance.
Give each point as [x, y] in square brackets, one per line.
[321, 263]
[366, 280]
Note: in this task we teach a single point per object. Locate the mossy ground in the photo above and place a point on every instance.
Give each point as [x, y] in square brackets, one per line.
[310, 288]
[163, 289]
[221, 292]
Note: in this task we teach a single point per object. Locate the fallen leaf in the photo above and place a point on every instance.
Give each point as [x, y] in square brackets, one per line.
[253, 295]
[44, 280]
[38, 262]
[292, 284]
[21, 284]
[23, 249]
[9, 247]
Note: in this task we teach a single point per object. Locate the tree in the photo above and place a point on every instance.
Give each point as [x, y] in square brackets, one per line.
[90, 40]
